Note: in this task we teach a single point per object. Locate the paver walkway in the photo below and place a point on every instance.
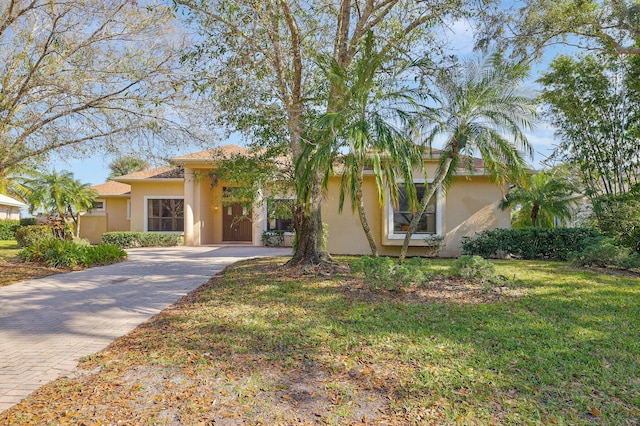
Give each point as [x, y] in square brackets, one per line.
[48, 324]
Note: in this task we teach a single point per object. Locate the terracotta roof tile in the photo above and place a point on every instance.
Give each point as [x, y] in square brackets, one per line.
[163, 172]
[112, 188]
[463, 165]
[224, 151]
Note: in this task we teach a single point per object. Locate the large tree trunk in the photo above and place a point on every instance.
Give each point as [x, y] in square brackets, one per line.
[426, 198]
[310, 248]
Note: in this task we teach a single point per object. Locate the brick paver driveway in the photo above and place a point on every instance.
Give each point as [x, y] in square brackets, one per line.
[47, 325]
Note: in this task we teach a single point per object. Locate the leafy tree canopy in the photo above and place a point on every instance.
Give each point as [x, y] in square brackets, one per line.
[611, 25]
[594, 103]
[77, 72]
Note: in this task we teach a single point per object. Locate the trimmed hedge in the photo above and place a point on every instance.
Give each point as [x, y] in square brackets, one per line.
[8, 228]
[132, 239]
[28, 235]
[28, 221]
[529, 243]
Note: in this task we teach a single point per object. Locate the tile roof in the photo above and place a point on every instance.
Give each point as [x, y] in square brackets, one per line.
[112, 188]
[224, 151]
[164, 172]
[463, 165]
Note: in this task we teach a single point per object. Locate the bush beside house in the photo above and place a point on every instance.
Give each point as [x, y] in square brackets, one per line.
[529, 243]
[132, 239]
[28, 235]
[8, 228]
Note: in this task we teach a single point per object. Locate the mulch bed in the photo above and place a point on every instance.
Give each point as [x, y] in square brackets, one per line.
[13, 272]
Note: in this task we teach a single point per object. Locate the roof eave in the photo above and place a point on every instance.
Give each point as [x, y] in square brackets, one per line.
[149, 179]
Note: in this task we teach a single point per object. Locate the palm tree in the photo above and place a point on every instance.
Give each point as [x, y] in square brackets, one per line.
[11, 183]
[125, 165]
[548, 195]
[480, 112]
[60, 194]
[363, 133]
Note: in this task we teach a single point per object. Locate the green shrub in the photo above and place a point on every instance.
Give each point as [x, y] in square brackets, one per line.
[602, 252]
[33, 252]
[131, 239]
[83, 242]
[28, 221]
[529, 243]
[273, 238]
[8, 228]
[28, 235]
[67, 254]
[62, 254]
[474, 268]
[619, 216]
[103, 254]
[384, 272]
[632, 262]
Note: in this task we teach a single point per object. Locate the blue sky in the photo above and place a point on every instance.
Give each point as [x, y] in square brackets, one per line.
[94, 169]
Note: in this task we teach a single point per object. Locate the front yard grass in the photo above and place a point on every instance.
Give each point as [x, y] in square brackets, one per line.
[259, 345]
[8, 249]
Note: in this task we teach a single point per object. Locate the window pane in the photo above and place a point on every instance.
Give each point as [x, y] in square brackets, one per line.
[165, 215]
[402, 215]
[279, 215]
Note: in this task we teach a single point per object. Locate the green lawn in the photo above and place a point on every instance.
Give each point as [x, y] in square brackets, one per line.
[8, 249]
[555, 345]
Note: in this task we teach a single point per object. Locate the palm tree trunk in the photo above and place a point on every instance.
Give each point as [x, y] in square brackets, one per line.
[426, 198]
[534, 214]
[363, 217]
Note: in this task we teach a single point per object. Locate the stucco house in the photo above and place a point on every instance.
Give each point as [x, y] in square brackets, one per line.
[182, 198]
[10, 207]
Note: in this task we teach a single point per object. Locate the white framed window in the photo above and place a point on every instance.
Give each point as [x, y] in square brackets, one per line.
[128, 209]
[399, 216]
[164, 214]
[99, 205]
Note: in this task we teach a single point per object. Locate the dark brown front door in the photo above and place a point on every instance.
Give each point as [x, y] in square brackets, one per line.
[234, 228]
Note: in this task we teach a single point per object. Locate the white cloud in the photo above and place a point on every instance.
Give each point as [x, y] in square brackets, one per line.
[459, 35]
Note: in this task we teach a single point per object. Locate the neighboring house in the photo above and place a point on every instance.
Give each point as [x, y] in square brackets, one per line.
[111, 211]
[10, 208]
[183, 198]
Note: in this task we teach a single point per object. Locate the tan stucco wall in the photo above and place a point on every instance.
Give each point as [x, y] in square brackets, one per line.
[465, 198]
[114, 218]
[208, 217]
[92, 226]
[345, 230]
[117, 215]
[140, 190]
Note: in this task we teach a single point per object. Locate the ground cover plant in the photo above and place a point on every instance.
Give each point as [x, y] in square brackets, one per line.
[51, 256]
[12, 271]
[260, 345]
[69, 254]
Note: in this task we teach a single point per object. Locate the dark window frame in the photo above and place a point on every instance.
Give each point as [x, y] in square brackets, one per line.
[165, 214]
